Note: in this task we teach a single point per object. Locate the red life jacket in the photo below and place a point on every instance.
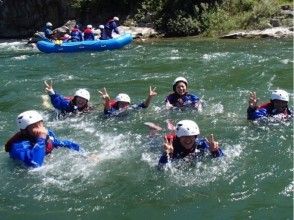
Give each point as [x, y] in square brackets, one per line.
[88, 31]
[112, 104]
[265, 105]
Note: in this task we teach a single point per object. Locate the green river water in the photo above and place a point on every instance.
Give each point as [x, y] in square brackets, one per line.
[253, 181]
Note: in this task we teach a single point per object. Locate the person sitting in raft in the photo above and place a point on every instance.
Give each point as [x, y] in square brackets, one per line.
[79, 103]
[103, 35]
[48, 31]
[111, 26]
[277, 107]
[33, 142]
[65, 38]
[88, 33]
[76, 34]
[122, 102]
[186, 143]
[181, 97]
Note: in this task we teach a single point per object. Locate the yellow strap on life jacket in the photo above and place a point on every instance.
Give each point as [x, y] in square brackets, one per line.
[58, 42]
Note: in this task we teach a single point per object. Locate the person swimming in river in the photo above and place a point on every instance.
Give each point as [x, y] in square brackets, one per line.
[186, 143]
[181, 98]
[79, 103]
[276, 108]
[33, 141]
[122, 102]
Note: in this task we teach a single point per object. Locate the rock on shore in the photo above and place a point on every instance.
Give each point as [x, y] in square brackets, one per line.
[276, 32]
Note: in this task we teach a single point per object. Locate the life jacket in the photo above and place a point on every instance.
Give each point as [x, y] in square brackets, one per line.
[272, 111]
[176, 99]
[20, 136]
[76, 34]
[88, 31]
[265, 105]
[113, 104]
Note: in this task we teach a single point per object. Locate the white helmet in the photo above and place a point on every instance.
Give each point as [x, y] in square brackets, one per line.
[89, 26]
[27, 118]
[122, 97]
[280, 95]
[187, 128]
[49, 24]
[101, 26]
[179, 79]
[83, 93]
[115, 18]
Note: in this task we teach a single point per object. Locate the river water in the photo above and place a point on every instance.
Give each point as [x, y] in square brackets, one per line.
[116, 177]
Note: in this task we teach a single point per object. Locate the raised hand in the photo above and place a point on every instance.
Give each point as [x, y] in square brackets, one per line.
[213, 145]
[48, 87]
[152, 92]
[252, 100]
[168, 145]
[104, 95]
[40, 131]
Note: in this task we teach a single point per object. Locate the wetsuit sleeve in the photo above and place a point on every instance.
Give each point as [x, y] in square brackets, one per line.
[163, 159]
[253, 114]
[109, 111]
[138, 106]
[59, 102]
[31, 155]
[65, 143]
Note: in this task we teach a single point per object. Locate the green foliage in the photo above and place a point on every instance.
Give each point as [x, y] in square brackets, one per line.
[262, 10]
[182, 25]
[185, 17]
[240, 14]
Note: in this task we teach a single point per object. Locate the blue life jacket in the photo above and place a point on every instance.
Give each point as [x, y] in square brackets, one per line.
[103, 35]
[88, 34]
[109, 27]
[48, 32]
[182, 101]
[76, 35]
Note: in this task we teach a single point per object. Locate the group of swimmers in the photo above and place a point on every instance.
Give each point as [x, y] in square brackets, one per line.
[76, 34]
[34, 141]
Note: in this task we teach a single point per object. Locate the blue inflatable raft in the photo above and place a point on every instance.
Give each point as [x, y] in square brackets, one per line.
[96, 45]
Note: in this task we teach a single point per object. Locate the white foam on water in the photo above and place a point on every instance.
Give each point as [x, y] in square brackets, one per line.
[214, 56]
[213, 108]
[22, 57]
[199, 173]
[286, 61]
[175, 58]
[289, 190]
[242, 195]
[15, 46]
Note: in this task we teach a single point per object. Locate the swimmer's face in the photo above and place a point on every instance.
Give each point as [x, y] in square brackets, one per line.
[280, 105]
[181, 88]
[122, 105]
[80, 102]
[187, 141]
